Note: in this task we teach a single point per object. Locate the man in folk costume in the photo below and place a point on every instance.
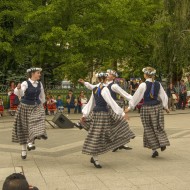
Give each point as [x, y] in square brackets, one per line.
[152, 116]
[114, 90]
[30, 116]
[107, 130]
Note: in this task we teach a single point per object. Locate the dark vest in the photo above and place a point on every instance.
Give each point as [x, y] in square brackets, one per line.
[31, 95]
[113, 94]
[148, 100]
[101, 104]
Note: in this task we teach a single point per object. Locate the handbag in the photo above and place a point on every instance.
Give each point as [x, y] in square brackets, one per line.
[174, 97]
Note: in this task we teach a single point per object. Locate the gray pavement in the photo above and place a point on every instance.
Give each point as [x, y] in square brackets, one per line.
[58, 164]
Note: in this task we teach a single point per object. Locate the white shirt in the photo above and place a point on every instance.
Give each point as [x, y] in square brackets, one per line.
[115, 87]
[139, 94]
[24, 86]
[107, 97]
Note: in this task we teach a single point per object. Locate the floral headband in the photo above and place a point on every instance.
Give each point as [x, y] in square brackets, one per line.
[146, 71]
[112, 72]
[101, 74]
[33, 69]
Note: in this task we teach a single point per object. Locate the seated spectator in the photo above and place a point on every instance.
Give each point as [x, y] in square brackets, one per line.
[71, 102]
[17, 181]
[1, 107]
[51, 105]
[59, 104]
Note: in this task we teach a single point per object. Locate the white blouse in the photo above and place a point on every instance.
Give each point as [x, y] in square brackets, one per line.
[107, 97]
[24, 86]
[139, 94]
[115, 87]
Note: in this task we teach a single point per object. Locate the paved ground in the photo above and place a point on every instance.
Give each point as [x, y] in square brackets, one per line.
[57, 164]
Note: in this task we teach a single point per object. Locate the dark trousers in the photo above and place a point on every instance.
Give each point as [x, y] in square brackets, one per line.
[69, 107]
[79, 108]
[182, 99]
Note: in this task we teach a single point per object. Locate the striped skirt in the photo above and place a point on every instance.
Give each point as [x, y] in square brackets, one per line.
[152, 118]
[106, 131]
[29, 124]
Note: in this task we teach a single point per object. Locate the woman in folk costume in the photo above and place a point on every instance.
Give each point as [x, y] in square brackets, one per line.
[114, 90]
[30, 117]
[107, 130]
[152, 116]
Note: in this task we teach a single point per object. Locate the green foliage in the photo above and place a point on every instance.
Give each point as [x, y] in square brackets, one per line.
[71, 38]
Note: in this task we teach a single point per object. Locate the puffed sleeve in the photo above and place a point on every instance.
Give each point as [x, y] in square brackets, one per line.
[110, 101]
[24, 86]
[89, 106]
[89, 86]
[116, 88]
[16, 92]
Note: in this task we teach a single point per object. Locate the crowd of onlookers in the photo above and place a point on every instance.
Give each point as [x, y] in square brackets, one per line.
[178, 98]
[72, 102]
[52, 105]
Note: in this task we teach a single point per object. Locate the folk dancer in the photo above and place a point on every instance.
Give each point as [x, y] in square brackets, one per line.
[151, 113]
[115, 90]
[29, 121]
[107, 130]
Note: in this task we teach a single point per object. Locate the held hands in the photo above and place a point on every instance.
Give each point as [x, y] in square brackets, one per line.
[127, 110]
[126, 116]
[83, 119]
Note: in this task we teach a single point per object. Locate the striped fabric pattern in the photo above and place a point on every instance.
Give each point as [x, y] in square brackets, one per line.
[29, 124]
[152, 118]
[106, 131]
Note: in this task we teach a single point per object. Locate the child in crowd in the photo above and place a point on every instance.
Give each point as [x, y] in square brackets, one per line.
[1, 107]
[59, 104]
[51, 105]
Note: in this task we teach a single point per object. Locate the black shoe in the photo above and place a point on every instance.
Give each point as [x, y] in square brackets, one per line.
[155, 154]
[23, 157]
[114, 150]
[125, 147]
[31, 147]
[163, 148]
[93, 162]
[78, 125]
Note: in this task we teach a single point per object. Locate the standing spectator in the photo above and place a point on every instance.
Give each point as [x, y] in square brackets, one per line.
[133, 87]
[1, 107]
[182, 95]
[71, 102]
[188, 87]
[171, 92]
[59, 104]
[13, 102]
[83, 100]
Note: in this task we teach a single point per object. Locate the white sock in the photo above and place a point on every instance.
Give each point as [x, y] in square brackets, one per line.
[30, 144]
[23, 148]
[153, 151]
[96, 160]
